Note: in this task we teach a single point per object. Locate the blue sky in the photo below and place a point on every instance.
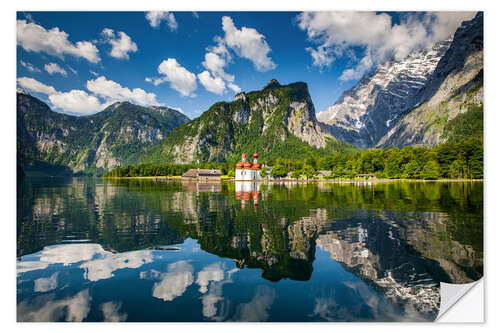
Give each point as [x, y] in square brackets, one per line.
[80, 62]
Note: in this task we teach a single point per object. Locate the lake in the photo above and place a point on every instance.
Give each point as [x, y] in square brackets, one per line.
[145, 250]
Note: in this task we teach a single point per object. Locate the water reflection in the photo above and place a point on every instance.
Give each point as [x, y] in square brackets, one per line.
[357, 252]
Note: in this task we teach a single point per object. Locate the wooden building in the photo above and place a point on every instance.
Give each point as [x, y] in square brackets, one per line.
[323, 174]
[202, 174]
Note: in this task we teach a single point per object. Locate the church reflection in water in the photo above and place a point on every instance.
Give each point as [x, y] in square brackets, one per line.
[248, 193]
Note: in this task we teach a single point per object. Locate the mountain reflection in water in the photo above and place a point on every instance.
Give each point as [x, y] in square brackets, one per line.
[94, 250]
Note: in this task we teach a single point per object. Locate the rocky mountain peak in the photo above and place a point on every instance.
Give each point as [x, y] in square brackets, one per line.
[272, 84]
[364, 113]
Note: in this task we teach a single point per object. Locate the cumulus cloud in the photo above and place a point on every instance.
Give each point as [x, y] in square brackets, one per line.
[46, 284]
[104, 267]
[215, 63]
[45, 308]
[234, 87]
[175, 282]
[180, 78]
[111, 312]
[53, 68]
[213, 272]
[81, 102]
[33, 85]
[213, 84]
[257, 309]
[121, 43]
[335, 34]
[76, 101]
[29, 66]
[248, 43]
[156, 17]
[113, 91]
[35, 38]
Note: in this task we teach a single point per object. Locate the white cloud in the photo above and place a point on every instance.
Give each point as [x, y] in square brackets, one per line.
[121, 43]
[46, 284]
[111, 312]
[35, 38]
[112, 91]
[155, 18]
[257, 309]
[33, 85]
[213, 84]
[29, 66]
[335, 34]
[104, 267]
[215, 63]
[216, 59]
[179, 77]
[53, 68]
[248, 43]
[93, 73]
[213, 272]
[46, 309]
[234, 87]
[174, 283]
[76, 101]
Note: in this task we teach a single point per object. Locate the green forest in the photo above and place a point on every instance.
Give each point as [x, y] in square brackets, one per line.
[452, 160]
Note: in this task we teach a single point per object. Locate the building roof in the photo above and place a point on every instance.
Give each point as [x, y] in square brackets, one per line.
[324, 172]
[193, 173]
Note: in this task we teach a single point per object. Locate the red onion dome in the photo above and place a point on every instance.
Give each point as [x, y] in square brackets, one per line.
[243, 155]
[255, 155]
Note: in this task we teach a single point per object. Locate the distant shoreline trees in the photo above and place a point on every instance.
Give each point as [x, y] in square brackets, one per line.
[460, 160]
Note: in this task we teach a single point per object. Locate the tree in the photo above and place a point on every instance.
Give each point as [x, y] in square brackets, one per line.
[431, 170]
[263, 173]
[295, 174]
[412, 170]
[278, 171]
[231, 174]
[308, 171]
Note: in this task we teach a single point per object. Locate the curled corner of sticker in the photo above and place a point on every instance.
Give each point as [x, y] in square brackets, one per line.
[457, 306]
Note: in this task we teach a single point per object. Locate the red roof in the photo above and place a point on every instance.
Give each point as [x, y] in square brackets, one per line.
[256, 166]
[247, 165]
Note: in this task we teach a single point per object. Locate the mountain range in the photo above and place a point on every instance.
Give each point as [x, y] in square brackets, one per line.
[411, 101]
[116, 136]
[432, 96]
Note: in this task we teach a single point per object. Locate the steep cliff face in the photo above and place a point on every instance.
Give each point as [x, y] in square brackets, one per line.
[113, 137]
[268, 121]
[413, 101]
[364, 113]
[454, 91]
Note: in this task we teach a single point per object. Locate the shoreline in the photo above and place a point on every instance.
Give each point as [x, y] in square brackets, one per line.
[373, 180]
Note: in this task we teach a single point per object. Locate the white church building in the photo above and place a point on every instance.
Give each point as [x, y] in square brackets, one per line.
[248, 171]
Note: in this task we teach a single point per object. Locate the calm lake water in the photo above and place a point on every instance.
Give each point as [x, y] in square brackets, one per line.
[143, 250]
